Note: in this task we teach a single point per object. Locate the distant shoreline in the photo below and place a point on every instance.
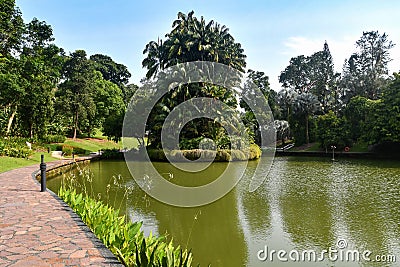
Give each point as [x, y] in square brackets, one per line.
[361, 155]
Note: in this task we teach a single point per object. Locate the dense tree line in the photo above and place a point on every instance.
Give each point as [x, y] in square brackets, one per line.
[358, 105]
[44, 91]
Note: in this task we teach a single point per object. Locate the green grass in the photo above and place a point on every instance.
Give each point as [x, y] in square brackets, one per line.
[310, 147]
[124, 238]
[8, 163]
[91, 144]
[359, 147]
[314, 147]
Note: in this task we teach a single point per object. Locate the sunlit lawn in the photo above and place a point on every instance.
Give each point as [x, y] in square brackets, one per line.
[8, 163]
[91, 144]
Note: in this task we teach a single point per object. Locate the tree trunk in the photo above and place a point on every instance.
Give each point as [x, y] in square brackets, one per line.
[10, 120]
[75, 124]
[307, 137]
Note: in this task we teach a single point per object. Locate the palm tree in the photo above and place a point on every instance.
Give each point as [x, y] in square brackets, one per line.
[156, 57]
[306, 104]
[285, 100]
[193, 39]
[282, 129]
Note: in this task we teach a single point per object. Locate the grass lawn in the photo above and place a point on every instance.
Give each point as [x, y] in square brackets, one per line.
[308, 147]
[89, 144]
[92, 144]
[359, 147]
[314, 147]
[8, 163]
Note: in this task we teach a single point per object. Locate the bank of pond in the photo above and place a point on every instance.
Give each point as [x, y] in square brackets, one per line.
[305, 203]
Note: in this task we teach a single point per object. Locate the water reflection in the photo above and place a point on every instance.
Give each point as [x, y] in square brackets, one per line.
[305, 203]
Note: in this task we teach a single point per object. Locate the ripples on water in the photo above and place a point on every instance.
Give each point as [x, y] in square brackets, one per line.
[305, 203]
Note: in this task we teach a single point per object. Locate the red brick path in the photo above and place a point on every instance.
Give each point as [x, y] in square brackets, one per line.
[37, 229]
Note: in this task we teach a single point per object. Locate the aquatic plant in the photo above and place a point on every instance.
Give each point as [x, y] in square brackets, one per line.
[124, 238]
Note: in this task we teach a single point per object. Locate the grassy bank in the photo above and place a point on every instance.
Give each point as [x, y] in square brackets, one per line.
[221, 155]
[85, 144]
[92, 144]
[124, 238]
[10, 163]
[316, 147]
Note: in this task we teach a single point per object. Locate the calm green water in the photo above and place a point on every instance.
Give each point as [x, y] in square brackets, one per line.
[305, 204]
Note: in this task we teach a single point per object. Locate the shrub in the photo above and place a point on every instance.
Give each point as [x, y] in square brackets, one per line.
[156, 154]
[15, 147]
[79, 151]
[221, 155]
[54, 139]
[190, 143]
[124, 239]
[67, 150]
[237, 155]
[113, 153]
[255, 151]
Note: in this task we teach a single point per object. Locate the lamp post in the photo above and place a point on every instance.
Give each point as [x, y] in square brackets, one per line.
[333, 152]
[42, 174]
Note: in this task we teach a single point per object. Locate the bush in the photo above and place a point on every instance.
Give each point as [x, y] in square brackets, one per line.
[124, 239]
[113, 153]
[54, 139]
[237, 155]
[15, 147]
[190, 143]
[79, 151]
[255, 152]
[156, 154]
[67, 150]
[221, 155]
[54, 147]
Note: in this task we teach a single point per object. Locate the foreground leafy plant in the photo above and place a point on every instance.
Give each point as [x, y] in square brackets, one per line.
[124, 239]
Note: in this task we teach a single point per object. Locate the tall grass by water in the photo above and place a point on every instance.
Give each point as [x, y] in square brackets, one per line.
[124, 238]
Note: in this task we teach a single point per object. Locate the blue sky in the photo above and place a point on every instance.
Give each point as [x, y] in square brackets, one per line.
[271, 32]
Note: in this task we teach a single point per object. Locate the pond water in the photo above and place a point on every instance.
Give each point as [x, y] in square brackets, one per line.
[305, 204]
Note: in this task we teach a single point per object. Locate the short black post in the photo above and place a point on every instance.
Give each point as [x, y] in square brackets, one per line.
[42, 175]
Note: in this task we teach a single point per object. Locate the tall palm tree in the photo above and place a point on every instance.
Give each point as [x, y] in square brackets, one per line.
[193, 39]
[306, 104]
[282, 129]
[156, 57]
[285, 100]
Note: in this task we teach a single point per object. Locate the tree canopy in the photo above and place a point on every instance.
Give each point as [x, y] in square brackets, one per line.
[341, 108]
[45, 92]
[193, 39]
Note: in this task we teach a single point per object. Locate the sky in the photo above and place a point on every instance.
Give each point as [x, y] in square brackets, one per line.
[271, 32]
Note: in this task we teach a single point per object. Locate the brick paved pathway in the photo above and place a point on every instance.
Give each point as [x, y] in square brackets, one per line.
[37, 229]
